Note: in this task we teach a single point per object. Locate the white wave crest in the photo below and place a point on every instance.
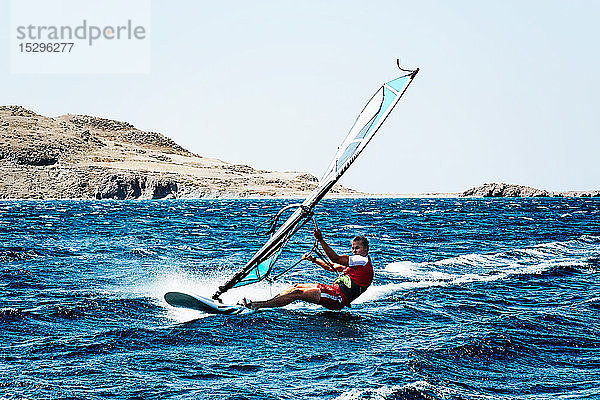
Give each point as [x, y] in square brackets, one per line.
[532, 260]
[385, 392]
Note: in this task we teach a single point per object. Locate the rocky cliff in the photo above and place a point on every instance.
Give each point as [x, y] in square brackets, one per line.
[507, 190]
[85, 157]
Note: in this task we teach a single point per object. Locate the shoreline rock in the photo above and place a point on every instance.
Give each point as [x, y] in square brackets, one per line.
[510, 190]
[87, 157]
[121, 187]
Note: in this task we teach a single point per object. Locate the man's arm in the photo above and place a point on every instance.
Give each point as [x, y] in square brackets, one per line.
[329, 267]
[331, 254]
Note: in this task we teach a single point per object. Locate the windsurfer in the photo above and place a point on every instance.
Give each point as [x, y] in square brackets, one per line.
[356, 275]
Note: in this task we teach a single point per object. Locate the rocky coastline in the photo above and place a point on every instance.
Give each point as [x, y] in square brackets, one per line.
[508, 190]
[86, 157]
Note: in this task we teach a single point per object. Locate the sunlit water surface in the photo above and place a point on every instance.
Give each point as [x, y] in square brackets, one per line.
[472, 299]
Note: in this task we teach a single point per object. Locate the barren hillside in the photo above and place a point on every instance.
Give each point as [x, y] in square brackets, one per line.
[80, 156]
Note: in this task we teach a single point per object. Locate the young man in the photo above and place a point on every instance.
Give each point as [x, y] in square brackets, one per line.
[357, 275]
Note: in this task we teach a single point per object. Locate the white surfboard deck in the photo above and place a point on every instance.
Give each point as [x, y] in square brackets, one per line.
[195, 302]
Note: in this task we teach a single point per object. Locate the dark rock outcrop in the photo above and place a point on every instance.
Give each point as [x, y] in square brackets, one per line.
[18, 111]
[508, 190]
[504, 190]
[87, 121]
[125, 187]
[40, 155]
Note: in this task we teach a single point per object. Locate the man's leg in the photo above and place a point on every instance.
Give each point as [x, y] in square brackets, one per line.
[308, 292]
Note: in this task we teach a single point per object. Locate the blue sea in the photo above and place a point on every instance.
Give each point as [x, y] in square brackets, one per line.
[472, 299]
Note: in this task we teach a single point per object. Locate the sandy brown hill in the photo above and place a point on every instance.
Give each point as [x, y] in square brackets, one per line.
[80, 156]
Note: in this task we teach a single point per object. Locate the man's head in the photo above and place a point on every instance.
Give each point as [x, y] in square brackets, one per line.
[360, 246]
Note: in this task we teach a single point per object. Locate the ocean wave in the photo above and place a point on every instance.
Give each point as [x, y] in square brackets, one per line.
[12, 314]
[143, 253]
[420, 390]
[354, 226]
[100, 307]
[107, 342]
[559, 257]
[551, 259]
[17, 253]
[67, 312]
[594, 303]
[491, 346]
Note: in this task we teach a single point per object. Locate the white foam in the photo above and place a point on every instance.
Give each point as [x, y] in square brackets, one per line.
[176, 279]
[498, 266]
[355, 227]
[377, 292]
[415, 271]
[383, 392]
[406, 269]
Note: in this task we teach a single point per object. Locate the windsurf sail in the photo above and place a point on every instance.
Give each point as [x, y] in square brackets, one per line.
[365, 127]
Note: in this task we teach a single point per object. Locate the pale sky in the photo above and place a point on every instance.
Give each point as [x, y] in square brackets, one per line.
[508, 90]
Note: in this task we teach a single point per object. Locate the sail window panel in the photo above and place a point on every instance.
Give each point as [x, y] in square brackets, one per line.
[259, 272]
[399, 84]
[365, 119]
[350, 150]
[389, 99]
[367, 128]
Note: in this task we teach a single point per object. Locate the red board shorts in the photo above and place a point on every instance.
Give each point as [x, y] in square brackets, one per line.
[332, 297]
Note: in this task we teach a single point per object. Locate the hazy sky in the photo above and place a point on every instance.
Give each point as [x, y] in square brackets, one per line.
[508, 90]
